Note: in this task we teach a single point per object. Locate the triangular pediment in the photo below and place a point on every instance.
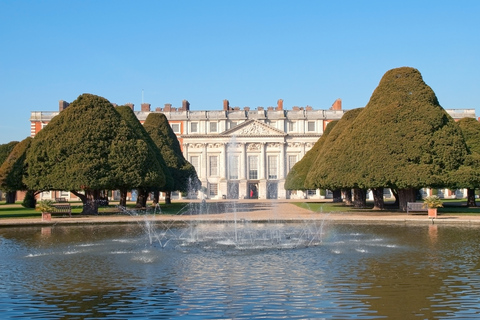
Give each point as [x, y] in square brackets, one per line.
[253, 128]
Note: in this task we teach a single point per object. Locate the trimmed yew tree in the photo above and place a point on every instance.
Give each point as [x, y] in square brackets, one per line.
[403, 139]
[13, 169]
[323, 173]
[84, 149]
[468, 174]
[296, 176]
[5, 150]
[143, 168]
[182, 171]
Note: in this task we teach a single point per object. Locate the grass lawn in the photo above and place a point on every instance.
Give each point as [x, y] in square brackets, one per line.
[17, 211]
[453, 207]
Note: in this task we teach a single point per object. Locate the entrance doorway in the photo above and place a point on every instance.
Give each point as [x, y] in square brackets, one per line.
[272, 190]
[232, 190]
[253, 191]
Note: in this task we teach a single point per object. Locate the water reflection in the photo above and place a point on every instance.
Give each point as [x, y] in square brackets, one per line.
[358, 271]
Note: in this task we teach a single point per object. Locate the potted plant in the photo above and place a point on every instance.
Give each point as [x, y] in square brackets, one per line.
[45, 207]
[432, 203]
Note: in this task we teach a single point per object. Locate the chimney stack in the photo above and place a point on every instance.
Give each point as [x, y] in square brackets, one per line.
[226, 105]
[131, 105]
[337, 105]
[185, 105]
[145, 107]
[279, 105]
[168, 107]
[62, 105]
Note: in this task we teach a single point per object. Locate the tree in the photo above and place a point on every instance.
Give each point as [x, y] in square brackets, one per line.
[5, 150]
[468, 174]
[142, 169]
[13, 169]
[296, 177]
[322, 173]
[403, 139]
[182, 171]
[81, 150]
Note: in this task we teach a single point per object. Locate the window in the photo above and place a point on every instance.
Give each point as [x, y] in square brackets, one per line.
[291, 126]
[233, 168]
[176, 127]
[273, 124]
[212, 189]
[213, 161]
[194, 127]
[311, 126]
[65, 194]
[233, 124]
[195, 161]
[253, 167]
[291, 162]
[272, 167]
[213, 127]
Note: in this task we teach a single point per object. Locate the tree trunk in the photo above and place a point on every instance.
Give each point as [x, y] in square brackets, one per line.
[142, 198]
[10, 197]
[348, 197]
[471, 198]
[359, 198]
[337, 195]
[378, 203]
[404, 196]
[89, 201]
[168, 197]
[123, 198]
[156, 197]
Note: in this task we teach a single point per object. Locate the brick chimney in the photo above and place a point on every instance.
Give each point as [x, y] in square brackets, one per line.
[337, 105]
[226, 105]
[185, 105]
[279, 105]
[145, 107]
[62, 105]
[168, 107]
[131, 105]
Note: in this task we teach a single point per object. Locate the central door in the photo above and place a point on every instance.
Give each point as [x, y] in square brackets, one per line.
[253, 190]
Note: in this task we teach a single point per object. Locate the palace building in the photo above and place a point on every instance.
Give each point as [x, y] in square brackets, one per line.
[242, 153]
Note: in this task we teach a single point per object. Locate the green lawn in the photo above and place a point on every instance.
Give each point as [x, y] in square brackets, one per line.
[450, 206]
[17, 211]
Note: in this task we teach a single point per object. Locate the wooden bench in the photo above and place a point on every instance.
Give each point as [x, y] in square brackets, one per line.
[62, 209]
[416, 207]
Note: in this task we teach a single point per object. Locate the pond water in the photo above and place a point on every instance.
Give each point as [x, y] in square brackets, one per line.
[354, 272]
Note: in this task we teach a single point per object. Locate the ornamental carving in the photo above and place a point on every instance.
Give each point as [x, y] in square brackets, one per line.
[253, 146]
[214, 145]
[234, 145]
[253, 129]
[273, 145]
[294, 144]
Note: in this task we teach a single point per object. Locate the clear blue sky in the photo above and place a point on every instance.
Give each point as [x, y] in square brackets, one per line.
[249, 52]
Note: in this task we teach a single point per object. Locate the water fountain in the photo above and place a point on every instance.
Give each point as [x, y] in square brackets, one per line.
[232, 231]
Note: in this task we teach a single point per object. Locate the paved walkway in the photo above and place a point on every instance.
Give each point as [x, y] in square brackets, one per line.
[260, 211]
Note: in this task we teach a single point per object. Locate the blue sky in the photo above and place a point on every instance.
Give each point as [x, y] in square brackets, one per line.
[249, 52]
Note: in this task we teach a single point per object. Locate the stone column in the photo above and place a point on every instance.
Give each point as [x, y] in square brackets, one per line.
[283, 160]
[205, 161]
[243, 162]
[185, 151]
[262, 161]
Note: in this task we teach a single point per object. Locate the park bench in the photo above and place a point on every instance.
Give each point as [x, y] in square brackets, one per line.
[62, 209]
[416, 207]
